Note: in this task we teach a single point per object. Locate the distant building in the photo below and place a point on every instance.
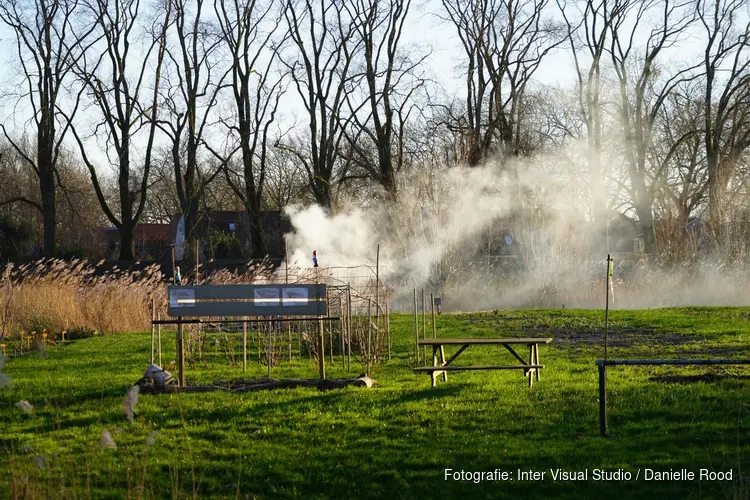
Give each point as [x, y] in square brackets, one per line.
[219, 229]
[152, 242]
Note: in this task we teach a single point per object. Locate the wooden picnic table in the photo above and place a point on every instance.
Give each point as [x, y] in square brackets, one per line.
[442, 367]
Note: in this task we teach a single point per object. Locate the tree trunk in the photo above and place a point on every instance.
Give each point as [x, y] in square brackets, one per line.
[646, 223]
[257, 240]
[127, 240]
[717, 187]
[49, 209]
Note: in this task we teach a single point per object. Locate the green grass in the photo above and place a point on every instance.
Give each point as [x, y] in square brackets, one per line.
[397, 439]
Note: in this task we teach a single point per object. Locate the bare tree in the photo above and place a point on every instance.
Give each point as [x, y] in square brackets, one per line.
[190, 101]
[326, 41]
[249, 33]
[116, 91]
[390, 82]
[50, 37]
[726, 62]
[643, 93]
[589, 35]
[678, 152]
[505, 42]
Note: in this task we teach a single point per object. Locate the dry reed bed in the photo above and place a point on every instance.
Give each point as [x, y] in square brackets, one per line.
[61, 295]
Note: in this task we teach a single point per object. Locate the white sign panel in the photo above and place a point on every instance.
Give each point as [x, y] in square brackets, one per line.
[181, 298]
[266, 296]
[295, 297]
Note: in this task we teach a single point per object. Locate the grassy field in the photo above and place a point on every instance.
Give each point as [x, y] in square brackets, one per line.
[397, 439]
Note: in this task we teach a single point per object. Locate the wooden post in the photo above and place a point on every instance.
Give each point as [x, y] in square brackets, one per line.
[603, 399]
[416, 328]
[349, 328]
[158, 338]
[330, 326]
[153, 331]
[270, 327]
[342, 324]
[244, 345]
[289, 334]
[424, 329]
[369, 334]
[321, 349]
[388, 328]
[606, 305]
[377, 292]
[181, 354]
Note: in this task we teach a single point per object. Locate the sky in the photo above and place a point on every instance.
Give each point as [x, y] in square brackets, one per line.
[423, 29]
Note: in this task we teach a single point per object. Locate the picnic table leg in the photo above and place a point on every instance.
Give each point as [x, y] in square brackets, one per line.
[442, 363]
[536, 360]
[531, 362]
[433, 374]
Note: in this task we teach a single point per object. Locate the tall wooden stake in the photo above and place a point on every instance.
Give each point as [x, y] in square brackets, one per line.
[244, 345]
[153, 331]
[349, 328]
[158, 338]
[321, 349]
[388, 328]
[342, 327]
[270, 351]
[377, 292]
[610, 262]
[424, 328]
[181, 354]
[416, 328]
[369, 334]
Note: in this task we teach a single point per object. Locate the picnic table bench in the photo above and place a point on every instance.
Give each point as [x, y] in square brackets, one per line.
[442, 367]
